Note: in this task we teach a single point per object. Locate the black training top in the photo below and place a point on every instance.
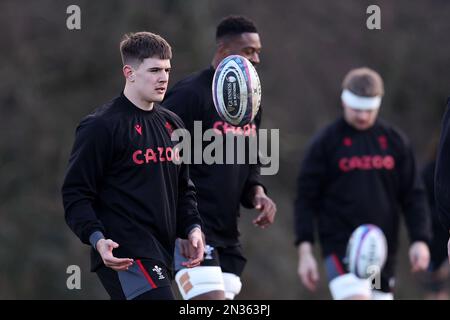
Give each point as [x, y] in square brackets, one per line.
[350, 177]
[442, 174]
[121, 181]
[221, 188]
[438, 246]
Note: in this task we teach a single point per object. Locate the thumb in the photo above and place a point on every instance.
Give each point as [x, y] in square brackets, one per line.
[314, 274]
[194, 242]
[414, 257]
[113, 244]
[414, 261]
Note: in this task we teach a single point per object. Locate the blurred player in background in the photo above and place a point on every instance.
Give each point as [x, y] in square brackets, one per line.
[358, 170]
[436, 280]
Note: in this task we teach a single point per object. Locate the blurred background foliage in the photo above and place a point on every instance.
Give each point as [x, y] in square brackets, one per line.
[52, 77]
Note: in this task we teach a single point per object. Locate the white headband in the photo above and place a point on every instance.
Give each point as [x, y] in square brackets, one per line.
[353, 101]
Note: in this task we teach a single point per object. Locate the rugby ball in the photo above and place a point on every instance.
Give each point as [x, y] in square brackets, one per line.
[366, 251]
[236, 90]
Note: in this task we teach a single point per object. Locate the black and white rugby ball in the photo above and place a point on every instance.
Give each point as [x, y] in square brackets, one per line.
[366, 251]
[236, 90]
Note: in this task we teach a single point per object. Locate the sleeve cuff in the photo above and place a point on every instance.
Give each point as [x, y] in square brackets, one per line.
[247, 199]
[425, 239]
[192, 227]
[94, 237]
[299, 240]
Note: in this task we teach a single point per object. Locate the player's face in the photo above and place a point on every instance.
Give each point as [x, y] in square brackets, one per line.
[247, 45]
[360, 119]
[151, 79]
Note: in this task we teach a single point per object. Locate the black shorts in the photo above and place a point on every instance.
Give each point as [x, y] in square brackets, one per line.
[146, 279]
[230, 259]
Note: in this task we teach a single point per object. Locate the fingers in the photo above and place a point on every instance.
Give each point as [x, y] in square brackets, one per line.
[420, 264]
[313, 278]
[118, 264]
[315, 275]
[448, 250]
[111, 244]
[197, 251]
[106, 245]
[310, 279]
[308, 272]
[262, 221]
[120, 268]
[194, 242]
[414, 263]
[419, 256]
[268, 210]
[108, 258]
[195, 260]
[184, 248]
[113, 261]
[191, 263]
[413, 260]
[415, 268]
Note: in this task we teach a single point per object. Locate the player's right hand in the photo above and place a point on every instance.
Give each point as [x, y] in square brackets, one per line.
[104, 248]
[419, 256]
[307, 269]
[183, 245]
[195, 248]
[448, 250]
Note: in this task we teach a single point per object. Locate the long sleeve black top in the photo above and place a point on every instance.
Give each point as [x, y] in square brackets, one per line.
[350, 177]
[121, 181]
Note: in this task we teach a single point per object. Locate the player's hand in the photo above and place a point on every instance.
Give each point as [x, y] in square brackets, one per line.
[194, 248]
[266, 207]
[104, 248]
[307, 267]
[183, 245]
[419, 256]
[448, 250]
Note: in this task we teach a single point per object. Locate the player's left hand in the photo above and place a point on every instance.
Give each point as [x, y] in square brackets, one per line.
[448, 250]
[195, 248]
[419, 256]
[266, 206]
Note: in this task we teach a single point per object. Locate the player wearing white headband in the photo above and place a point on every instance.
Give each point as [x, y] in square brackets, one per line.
[358, 170]
[361, 97]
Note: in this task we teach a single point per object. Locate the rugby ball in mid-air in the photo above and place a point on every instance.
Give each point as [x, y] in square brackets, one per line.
[366, 251]
[236, 90]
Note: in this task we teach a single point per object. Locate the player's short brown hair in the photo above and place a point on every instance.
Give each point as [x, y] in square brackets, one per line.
[135, 47]
[364, 82]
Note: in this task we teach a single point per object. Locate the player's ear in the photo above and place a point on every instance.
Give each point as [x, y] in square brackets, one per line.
[128, 72]
[223, 49]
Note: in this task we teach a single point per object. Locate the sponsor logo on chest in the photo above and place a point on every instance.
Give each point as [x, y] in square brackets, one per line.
[366, 161]
[155, 154]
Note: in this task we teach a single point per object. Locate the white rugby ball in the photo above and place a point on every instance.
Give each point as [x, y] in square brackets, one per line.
[236, 90]
[366, 251]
